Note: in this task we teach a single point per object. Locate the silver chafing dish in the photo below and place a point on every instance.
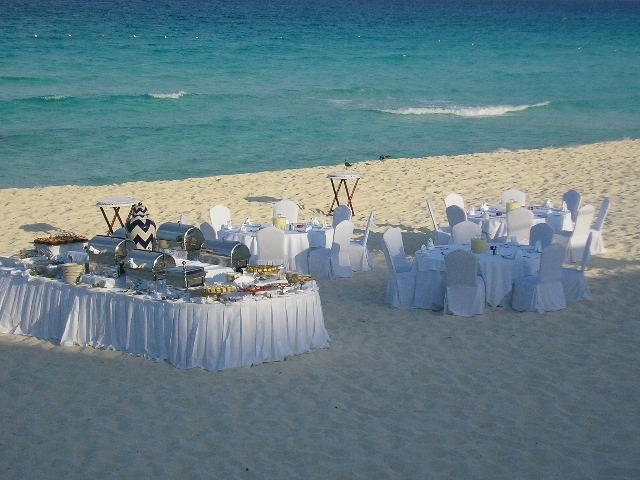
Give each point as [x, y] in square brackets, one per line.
[185, 276]
[179, 238]
[107, 254]
[146, 265]
[235, 255]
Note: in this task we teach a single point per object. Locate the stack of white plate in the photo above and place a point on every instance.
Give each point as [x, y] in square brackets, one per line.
[71, 272]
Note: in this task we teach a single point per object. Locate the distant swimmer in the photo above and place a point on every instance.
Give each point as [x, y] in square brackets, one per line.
[347, 164]
[383, 157]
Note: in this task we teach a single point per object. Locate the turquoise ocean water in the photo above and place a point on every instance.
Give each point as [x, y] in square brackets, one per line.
[106, 91]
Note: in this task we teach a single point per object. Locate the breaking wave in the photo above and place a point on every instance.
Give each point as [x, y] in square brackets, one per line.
[173, 96]
[462, 111]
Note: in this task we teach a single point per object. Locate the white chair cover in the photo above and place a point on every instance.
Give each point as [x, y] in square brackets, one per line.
[219, 215]
[597, 242]
[543, 292]
[541, 232]
[575, 240]
[574, 282]
[455, 214]
[442, 234]
[341, 212]
[519, 223]
[359, 255]
[573, 199]
[513, 194]
[465, 289]
[463, 232]
[207, 231]
[454, 199]
[334, 262]
[288, 209]
[270, 244]
[402, 279]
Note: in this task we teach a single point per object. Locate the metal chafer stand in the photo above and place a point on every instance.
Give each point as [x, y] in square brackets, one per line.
[185, 276]
[235, 255]
[148, 266]
[179, 239]
[107, 254]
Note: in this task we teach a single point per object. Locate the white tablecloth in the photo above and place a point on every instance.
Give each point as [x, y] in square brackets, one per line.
[495, 227]
[213, 336]
[498, 273]
[296, 244]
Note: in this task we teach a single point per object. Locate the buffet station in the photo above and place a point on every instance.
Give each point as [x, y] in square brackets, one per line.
[191, 302]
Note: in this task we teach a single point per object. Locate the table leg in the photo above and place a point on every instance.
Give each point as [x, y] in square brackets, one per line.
[336, 191]
[116, 216]
[109, 222]
[350, 195]
[335, 201]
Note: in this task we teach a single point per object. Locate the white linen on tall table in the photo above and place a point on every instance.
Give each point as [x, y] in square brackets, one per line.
[296, 244]
[213, 336]
[498, 271]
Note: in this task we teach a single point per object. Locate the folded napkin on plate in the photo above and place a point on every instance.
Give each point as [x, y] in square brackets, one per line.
[244, 281]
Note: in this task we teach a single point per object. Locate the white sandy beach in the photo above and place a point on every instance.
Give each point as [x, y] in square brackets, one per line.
[398, 395]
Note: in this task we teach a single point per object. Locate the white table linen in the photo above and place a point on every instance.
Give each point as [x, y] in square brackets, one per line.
[494, 226]
[498, 271]
[296, 244]
[213, 336]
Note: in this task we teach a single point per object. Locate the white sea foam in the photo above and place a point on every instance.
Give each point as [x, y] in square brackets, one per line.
[339, 102]
[55, 97]
[173, 96]
[462, 111]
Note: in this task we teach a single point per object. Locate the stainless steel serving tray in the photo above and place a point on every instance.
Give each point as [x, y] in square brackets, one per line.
[147, 265]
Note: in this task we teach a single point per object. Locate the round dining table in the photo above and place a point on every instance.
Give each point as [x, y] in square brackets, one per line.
[296, 242]
[499, 272]
[494, 221]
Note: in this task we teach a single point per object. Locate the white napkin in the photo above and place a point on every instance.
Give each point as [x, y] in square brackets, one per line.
[244, 281]
[78, 256]
[131, 263]
[430, 244]
[548, 203]
[484, 207]
[564, 206]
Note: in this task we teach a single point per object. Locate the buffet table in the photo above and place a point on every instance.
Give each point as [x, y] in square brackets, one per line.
[207, 334]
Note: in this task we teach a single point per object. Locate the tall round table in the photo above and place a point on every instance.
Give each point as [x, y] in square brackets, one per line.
[115, 204]
[341, 179]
